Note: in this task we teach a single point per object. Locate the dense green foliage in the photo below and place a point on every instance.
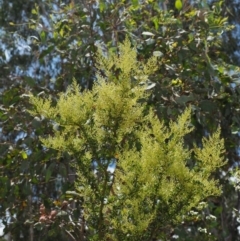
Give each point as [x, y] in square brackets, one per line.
[157, 180]
[47, 45]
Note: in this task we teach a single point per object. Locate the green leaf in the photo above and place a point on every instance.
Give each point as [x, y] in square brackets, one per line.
[34, 12]
[178, 5]
[61, 32]
[184, 99]
[70, 194]
[62, 213]
[39, 226]
[135, 3]
[47, 51]
[102, 6]
[43, 36]
[49, 171]
[208, 106]
[155, 21]
[11, 96]
[24, 155]
[30, 81]
[62, 170]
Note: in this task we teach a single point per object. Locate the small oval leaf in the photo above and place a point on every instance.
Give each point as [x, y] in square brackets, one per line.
[24, 155]
[147, 33]
[178, 5]
[157, 53]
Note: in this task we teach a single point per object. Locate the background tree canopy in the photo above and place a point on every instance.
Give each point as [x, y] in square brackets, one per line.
[47, 44]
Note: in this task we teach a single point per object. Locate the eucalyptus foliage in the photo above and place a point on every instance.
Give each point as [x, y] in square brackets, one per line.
[47, 44]
[157, 179]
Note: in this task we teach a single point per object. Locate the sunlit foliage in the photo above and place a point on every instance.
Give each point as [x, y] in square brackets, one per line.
[156, 179]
